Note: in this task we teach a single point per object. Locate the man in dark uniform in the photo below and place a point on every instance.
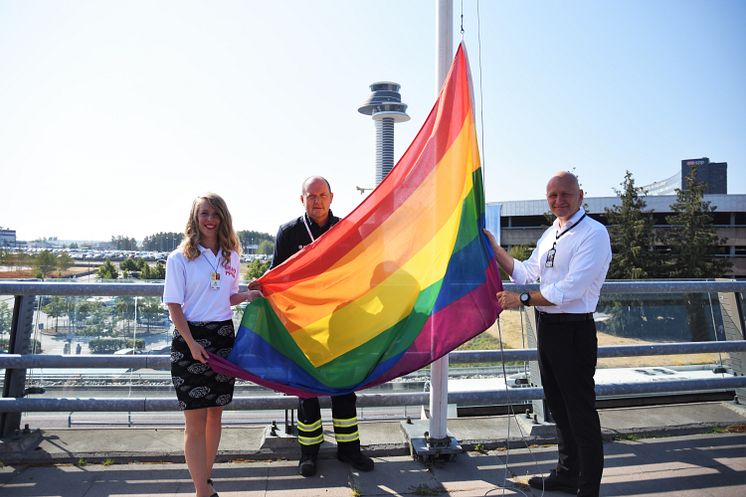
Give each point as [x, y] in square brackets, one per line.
[316, 197]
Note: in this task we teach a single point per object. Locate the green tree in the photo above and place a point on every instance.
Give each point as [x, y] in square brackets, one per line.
[518, 252]
[45, 263]
[125, 309]
[5, 347]
[107, 271]
[120, 242]
[64, 262]
[693, 243]
[6, 320]
[151, 310]
[632, 236]
[266, 247]
[158, 272]
[18, 260]
[129, 264]
[109, 345]
[84, 310]
[256, 268]
[692, 239]
[250, 239]
[162, 242]
[56, 307]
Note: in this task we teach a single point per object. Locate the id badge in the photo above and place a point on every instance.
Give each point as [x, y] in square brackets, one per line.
[215, 281]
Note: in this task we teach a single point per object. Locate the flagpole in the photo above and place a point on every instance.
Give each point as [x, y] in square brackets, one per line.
[439, 369]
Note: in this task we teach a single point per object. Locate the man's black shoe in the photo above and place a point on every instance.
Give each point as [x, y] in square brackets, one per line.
[307, 466]
[358, 460]
[554, 482]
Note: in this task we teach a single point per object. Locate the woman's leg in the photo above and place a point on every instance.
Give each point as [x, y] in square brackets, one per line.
[213, 429]
[195, 449]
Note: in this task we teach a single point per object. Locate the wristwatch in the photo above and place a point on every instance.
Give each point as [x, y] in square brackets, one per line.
[525, 298]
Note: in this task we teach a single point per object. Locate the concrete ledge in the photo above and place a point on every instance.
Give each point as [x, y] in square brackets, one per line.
[384, 438]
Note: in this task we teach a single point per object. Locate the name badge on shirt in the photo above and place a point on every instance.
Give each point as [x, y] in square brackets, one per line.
[215, 280]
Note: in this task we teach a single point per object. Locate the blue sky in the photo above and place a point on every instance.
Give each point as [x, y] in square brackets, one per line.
[114, 115]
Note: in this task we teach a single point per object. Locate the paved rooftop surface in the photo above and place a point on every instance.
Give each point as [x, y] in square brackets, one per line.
[680, 450]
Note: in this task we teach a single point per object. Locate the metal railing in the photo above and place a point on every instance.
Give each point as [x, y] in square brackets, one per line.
[18, 361]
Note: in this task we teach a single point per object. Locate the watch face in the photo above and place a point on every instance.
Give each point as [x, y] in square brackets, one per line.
[525, 297]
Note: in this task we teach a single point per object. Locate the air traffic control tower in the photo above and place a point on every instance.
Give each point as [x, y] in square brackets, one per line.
[386, 108]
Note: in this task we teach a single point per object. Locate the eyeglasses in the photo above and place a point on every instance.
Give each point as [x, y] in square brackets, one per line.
[550, 255]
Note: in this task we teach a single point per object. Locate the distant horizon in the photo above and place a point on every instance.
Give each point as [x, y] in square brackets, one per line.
[140, 240]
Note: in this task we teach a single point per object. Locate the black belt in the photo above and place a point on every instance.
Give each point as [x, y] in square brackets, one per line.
[563, 317]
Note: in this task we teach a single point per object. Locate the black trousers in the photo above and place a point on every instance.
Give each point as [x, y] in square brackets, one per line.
[567, 362]
[344, 419]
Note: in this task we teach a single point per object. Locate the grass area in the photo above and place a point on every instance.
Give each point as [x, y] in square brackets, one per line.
[514, 330]
[485, 341]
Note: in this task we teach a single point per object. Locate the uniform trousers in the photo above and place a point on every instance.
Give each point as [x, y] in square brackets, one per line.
[344, 419]
[568, 349]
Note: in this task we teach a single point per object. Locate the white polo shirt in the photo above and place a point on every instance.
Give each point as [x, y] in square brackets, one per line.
[188, 284]
[574, 280]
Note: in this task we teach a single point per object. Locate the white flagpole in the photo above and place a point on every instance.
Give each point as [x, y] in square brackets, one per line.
[439, 369]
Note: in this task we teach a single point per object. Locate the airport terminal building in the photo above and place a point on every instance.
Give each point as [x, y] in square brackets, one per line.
[521, 222]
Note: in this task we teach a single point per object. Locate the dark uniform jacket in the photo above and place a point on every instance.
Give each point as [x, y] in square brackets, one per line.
[293, 236]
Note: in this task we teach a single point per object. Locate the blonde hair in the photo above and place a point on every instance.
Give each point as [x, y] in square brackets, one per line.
[227, 239]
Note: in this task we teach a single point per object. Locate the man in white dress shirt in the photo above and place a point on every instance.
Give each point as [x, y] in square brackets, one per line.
[570, 262]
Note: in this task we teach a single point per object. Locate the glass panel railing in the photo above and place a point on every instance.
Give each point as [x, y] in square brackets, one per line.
[138, 325]
[647, 319]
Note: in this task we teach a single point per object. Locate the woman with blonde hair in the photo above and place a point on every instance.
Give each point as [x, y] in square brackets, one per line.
[201, 286]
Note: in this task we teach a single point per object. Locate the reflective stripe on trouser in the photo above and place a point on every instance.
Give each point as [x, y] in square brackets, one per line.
[345, 430]
[310, 433]
[344, 415]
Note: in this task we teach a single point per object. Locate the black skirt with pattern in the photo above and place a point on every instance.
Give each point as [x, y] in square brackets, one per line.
[197, 385]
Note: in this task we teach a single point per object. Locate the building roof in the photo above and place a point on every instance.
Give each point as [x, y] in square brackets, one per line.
[596, 205]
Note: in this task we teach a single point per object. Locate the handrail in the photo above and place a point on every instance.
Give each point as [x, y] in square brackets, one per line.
[503, 396]
[162, 362]
[14, 287]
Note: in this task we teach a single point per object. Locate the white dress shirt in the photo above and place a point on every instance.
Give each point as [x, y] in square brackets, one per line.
[188, 283]
[582, 257]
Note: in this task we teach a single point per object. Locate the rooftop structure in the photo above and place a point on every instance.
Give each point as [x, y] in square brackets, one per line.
[521, 222]
[713, 175]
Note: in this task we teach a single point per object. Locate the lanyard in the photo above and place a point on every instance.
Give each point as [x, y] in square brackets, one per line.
[308, 229]
[558, 234]
[549, 263]
[214, 268]
[215, 276]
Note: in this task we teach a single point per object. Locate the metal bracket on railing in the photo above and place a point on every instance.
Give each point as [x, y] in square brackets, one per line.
[19, 343]
[290, 422]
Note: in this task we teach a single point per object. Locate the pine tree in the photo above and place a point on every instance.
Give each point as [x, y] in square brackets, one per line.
[692, 239]
[45, 263]
[108, 271]
[632, 237]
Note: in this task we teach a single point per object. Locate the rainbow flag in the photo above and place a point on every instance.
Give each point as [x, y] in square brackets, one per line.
[404, 279]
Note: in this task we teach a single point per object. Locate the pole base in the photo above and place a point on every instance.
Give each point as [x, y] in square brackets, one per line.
[424, 448]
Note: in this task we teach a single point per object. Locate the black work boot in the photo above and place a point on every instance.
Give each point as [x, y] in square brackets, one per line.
[307, 465]
[350, 453]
